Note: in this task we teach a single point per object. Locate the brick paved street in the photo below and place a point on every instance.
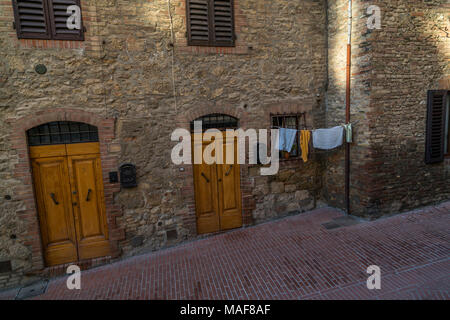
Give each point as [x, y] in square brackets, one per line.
[293, 258]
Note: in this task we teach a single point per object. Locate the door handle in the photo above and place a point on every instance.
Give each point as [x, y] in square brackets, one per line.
[229, 170]
[52, 195]
[203, 175]
[88, 197]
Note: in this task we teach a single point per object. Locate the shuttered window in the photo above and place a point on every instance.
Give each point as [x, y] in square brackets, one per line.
[45, 19]
[210, 23]
[58, 20]
[437, 137]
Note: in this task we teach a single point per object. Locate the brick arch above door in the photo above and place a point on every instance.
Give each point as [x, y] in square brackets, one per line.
[24, 191]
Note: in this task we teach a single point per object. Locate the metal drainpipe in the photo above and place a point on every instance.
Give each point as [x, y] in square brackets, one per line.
[347, 107]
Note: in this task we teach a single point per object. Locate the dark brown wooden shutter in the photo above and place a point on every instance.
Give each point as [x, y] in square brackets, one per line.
[198, 22]
[223, 23]
[435, 137]
[58, 18]
[31, 18]
[210, 22]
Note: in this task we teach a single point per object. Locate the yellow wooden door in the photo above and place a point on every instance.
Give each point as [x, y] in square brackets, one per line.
[81, 232]
[217, 194]
[52, 188]
[206, 197]
[90, 217]
[229, 189]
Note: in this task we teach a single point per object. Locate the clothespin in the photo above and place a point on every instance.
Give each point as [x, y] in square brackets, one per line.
[348, 132]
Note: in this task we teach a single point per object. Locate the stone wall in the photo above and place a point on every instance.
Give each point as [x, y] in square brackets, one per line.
[137, 80]
[410, 56]
[393, 68]
[130, 72]
[73, 69]
[334, 178]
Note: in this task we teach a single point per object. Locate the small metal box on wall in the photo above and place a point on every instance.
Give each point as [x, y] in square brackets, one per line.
[128, 175]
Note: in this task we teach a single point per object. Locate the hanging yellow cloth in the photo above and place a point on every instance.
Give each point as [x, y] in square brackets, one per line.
[305, 136]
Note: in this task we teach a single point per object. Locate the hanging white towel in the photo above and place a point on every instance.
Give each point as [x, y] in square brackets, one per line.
[328, 138]
[287, 138]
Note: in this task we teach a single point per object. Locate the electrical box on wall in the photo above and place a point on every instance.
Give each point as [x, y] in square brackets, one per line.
[128, 175]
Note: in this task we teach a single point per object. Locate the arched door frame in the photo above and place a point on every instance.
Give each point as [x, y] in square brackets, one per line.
[24, 192]
[187, 176]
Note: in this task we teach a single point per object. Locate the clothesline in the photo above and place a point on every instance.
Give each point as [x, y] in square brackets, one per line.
[324, 139]
[299, 130]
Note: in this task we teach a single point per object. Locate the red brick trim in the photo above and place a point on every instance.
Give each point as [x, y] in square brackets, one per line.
[240, 22]
[290, 107]
[444, 83]
[22, 171]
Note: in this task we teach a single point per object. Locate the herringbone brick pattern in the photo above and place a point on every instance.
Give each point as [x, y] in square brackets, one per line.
[293, 258]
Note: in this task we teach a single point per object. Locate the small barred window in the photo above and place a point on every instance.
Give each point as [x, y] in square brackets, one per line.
[217, 121]
[62, 132]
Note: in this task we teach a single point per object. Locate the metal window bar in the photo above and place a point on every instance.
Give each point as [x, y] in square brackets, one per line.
[62, 132]
[217, 121]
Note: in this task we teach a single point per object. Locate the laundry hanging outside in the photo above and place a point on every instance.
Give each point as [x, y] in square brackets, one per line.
[324, 139]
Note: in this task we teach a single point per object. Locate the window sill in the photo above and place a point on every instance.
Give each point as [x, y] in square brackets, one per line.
[183, 47]
[296, 158]
[211, 45]
[51, 44]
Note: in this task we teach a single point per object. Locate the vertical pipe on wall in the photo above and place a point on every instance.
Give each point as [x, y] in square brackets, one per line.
[172, 47]
[347, 107]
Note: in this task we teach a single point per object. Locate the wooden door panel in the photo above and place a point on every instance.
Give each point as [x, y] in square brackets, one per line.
[230, 192]
[78, 149]
[206, 191]
[229, 179]
[87, 182]
[58, 150]
[205, 182]
[206, 201]
[88, 206]
[55, 210]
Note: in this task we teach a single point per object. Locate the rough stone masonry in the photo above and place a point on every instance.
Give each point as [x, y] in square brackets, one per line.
[136, 79]
[393, 68]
